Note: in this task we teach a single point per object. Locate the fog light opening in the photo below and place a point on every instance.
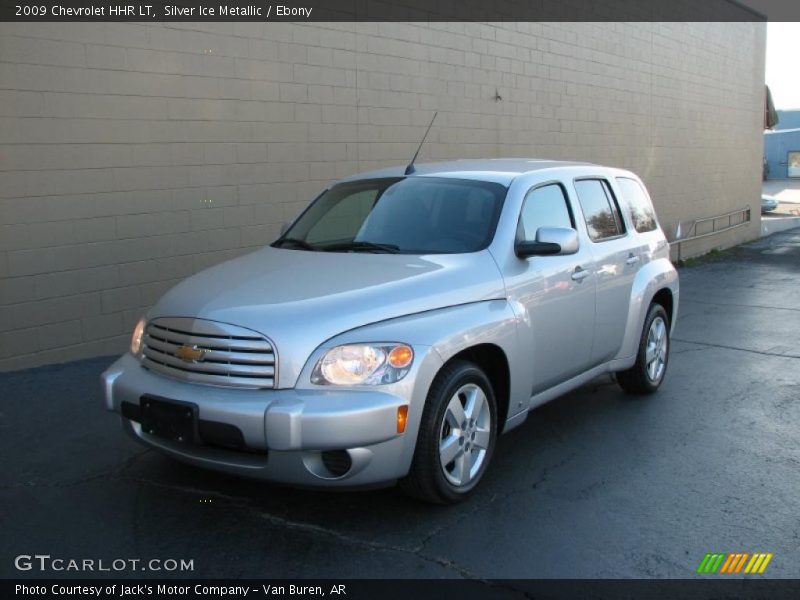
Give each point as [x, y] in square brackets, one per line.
[337, 462]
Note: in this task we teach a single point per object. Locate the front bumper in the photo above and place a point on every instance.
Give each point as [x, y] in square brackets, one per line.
[285, 431]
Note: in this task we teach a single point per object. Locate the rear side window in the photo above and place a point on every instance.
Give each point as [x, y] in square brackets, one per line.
[600, 210]
[635, 199]
[544, 206]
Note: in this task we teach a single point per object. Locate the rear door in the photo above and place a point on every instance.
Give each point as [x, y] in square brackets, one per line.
[641, 217]
[615, 262]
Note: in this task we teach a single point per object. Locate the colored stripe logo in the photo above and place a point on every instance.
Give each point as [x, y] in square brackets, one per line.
[734, 562]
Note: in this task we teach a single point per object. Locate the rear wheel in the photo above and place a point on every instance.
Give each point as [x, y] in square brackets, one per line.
[652, 359]
[457, 435]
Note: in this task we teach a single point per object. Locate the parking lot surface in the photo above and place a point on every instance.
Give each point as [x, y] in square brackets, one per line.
[594, 484]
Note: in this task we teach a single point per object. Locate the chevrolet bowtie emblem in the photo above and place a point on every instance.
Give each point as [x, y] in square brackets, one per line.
[190, 353]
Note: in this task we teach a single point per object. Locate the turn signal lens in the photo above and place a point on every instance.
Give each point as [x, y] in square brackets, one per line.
[402, 417]
[401, 356]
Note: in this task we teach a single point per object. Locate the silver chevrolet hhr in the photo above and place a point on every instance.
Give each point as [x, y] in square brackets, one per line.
[401, 322]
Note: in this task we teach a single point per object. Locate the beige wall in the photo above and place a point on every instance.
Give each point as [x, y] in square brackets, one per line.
[133, 155]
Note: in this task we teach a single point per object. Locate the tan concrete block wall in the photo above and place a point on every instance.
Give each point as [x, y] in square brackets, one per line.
[133, 155]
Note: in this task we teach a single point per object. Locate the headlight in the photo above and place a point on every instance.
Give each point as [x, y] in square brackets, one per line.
[363, 364]
[136, 338]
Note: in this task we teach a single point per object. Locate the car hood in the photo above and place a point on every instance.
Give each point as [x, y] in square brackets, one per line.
[300, 299]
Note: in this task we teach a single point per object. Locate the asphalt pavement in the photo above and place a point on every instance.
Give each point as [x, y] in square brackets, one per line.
[594, 484]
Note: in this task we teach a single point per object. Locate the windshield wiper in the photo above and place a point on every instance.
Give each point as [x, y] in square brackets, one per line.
[294, 241]
[358, 246]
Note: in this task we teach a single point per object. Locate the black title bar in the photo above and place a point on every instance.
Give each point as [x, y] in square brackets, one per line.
[399, 10]
[401, 589]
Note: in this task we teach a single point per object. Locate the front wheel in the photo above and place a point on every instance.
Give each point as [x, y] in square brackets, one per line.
[457, 436]
[651, 361]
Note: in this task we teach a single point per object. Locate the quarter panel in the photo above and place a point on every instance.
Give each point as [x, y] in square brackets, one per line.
[652, 277]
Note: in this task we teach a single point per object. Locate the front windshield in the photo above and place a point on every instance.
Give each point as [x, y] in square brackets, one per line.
[413, 215]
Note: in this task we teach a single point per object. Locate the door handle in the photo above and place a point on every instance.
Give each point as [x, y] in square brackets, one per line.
[579, 274]
[632, 260]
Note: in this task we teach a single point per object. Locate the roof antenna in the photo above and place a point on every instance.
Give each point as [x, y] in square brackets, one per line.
[410, 168]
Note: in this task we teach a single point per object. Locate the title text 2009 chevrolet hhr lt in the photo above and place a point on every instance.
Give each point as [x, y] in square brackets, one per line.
[402, 322]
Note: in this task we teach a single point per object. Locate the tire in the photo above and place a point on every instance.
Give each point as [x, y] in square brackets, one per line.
[646, 377]
[440, 436]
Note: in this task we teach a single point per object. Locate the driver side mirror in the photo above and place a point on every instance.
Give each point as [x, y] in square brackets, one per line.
[550, 241]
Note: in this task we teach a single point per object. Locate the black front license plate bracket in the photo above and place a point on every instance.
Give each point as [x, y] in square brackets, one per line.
[172, 420]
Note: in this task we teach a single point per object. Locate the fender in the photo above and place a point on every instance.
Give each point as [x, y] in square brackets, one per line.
[651, 278]
[436, 336]
[448, 331]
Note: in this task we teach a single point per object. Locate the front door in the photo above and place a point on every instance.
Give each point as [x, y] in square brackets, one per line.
[557, 293]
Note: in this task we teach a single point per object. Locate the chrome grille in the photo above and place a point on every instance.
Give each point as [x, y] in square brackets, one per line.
[208, 352]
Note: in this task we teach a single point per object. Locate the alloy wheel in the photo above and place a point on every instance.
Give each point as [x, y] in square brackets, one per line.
[656, 350]
[465, 434]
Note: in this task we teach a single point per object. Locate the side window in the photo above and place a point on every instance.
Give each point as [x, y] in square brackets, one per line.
[544, 206]
[638, 204]
[600, 210]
